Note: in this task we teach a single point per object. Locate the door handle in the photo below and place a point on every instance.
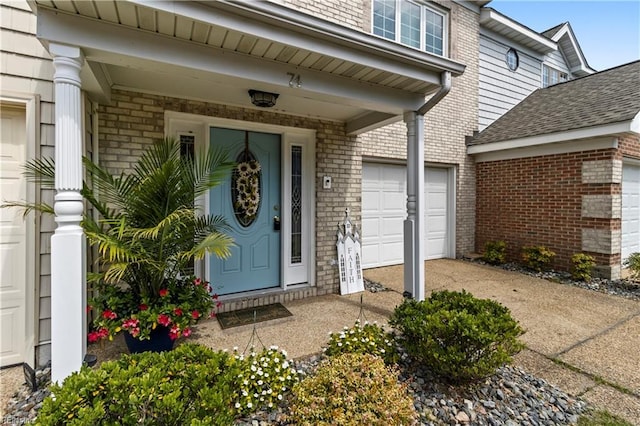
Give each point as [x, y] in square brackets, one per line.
[276, 223]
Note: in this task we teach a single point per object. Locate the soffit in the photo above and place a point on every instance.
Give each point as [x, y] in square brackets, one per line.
[258, 31]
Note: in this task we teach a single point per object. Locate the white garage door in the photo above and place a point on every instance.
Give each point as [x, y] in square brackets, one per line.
[384, 209]
[630, 209]
[12, 237]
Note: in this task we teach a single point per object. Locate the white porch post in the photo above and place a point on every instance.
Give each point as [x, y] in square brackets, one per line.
[414, 224]
[68, 246]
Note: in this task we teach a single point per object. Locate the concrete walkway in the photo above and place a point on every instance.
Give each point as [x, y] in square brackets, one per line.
[586, 343]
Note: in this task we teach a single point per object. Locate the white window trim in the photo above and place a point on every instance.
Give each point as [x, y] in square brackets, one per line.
[423, 6]
[551, 70]
[291, 274]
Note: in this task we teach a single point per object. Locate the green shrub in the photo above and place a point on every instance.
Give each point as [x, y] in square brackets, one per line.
[495, 252]
[582, 266]
[460, 338]
[537, 258]
[189, 384]
[633, 263]
[263, 380]
[352, 389]
[364, 339]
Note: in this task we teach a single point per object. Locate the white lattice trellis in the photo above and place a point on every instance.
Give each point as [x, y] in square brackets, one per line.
[349, 257]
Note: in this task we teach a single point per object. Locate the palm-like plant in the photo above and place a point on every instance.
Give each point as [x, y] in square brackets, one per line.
[150, 230]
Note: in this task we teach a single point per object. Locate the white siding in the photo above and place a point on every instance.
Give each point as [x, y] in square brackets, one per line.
[500, 89]
[26, 70]
[556, 60]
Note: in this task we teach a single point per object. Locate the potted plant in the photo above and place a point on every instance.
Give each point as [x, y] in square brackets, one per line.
[148, 235]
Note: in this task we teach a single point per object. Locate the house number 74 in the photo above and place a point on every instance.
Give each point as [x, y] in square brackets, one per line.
[295, 80]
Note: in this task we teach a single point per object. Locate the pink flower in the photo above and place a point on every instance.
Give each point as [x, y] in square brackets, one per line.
[177, 311]
[174, 333]
[103, 332]
[135, 332]
[164, 320]
[143, 307]
[93, 336]
[195, 314]
[197, 281]
[130, 323]
[163, 292]
[107, 314]
[212, 314]
[186, 332]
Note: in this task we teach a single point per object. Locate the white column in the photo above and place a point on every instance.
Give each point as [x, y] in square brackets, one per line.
[414, 230]
[68, 246]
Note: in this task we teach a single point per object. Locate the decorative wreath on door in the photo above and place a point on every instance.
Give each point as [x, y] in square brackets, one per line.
[246, 183]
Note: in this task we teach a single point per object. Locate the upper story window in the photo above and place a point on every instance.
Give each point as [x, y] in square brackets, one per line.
[551, 76]
[411, 23]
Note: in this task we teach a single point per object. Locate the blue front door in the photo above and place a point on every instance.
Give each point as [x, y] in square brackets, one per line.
[250, 201]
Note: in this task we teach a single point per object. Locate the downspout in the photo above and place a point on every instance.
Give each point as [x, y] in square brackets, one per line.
[445, 82]
[414, 226]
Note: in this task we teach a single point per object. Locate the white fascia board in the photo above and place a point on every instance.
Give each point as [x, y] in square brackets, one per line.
[587, 133]
[549, 149]
[582, 68]
[127, 47]
[271, 21]
[544, 44]
[635, 124]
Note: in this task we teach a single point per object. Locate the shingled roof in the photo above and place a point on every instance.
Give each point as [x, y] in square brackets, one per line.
[607, 97]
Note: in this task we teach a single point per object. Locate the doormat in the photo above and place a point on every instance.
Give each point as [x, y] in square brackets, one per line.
[245, 316]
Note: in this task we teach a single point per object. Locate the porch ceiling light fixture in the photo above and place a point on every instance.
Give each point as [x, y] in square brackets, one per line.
[263, 99]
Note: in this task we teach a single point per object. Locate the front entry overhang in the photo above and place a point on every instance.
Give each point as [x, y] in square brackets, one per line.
[219, 50]
[215, 51]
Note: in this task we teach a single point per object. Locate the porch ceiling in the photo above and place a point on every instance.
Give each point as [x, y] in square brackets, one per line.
[217, 51]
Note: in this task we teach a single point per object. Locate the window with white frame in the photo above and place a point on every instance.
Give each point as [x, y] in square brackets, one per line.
[551, 76]
[411, 23]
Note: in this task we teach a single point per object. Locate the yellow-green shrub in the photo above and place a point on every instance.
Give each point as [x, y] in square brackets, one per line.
[352, 389]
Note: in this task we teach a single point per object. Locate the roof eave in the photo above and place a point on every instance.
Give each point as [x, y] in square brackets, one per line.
[627, 126]
[535, 41]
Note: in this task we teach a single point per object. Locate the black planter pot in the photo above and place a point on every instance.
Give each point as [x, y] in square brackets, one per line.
[159, 341]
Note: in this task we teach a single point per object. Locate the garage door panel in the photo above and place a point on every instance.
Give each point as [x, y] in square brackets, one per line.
[384, 211]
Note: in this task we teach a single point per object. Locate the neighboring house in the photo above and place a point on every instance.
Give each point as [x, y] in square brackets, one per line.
[562, 169]
[515, 61]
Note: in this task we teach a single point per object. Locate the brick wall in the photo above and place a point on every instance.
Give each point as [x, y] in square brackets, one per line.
[134, 120]
[629, 146]
[348, 13]
[446, 125]
[567, 202]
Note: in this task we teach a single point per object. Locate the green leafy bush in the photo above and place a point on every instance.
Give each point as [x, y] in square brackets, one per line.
[633, 263]
[582, 266]
[460, 338]
[495, 252]
[537, 258]
[263, 380]
[189, 385]
[352, 389]
[364, 339]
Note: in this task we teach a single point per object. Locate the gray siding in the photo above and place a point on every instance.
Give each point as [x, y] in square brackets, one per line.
[27, 70]
[500, 89]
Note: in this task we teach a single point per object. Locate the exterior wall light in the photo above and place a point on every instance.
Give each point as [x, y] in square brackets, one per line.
[263, 99]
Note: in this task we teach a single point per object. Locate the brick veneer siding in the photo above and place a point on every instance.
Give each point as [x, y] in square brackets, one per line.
[134, 120]
[446, 125]
[539, 201]
[629, 146]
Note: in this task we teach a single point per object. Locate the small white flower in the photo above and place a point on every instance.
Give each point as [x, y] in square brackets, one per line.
[260, 382]
[249, 405]
[270, 405]
[244, 393]
[237, 405]
[264, 392]
[285, 364]
[279, 396]
[246, 383]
